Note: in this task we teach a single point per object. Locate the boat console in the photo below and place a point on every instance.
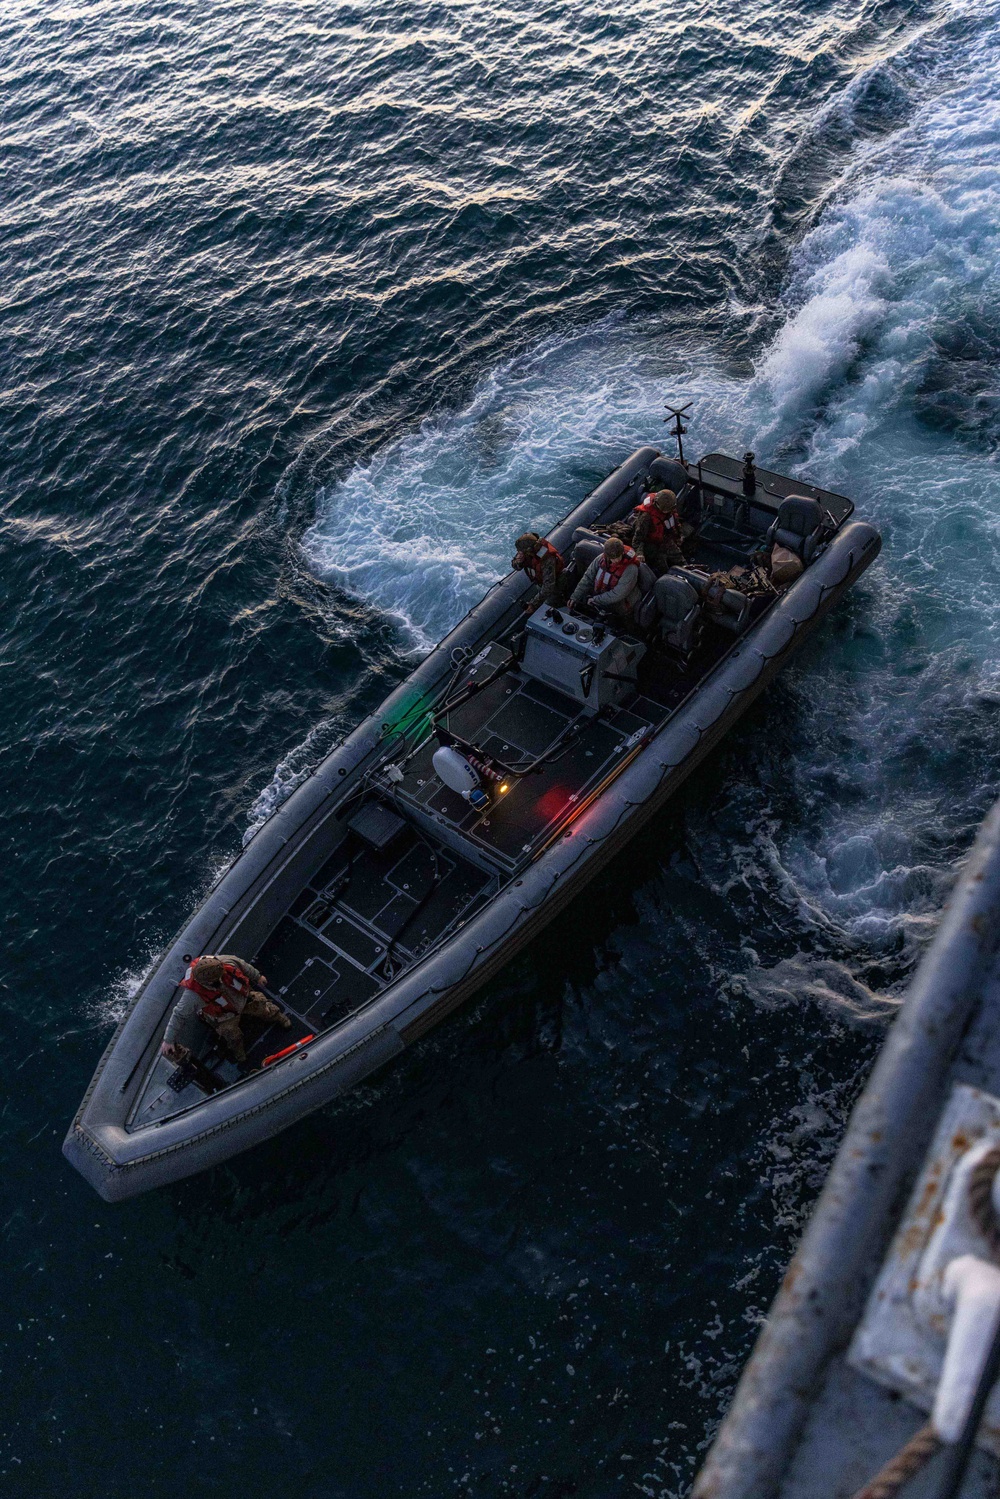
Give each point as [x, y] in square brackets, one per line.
[586, 660]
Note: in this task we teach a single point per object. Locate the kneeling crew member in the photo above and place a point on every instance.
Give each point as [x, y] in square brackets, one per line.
[657, 533]
[610, 582]
[543, 565]
[220, 990]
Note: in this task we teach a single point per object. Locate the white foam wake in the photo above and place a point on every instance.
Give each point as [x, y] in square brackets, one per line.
[878, 385]
[883, 383]
[427, 523]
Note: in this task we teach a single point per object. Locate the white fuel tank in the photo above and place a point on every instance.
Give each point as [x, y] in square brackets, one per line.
[451, 766]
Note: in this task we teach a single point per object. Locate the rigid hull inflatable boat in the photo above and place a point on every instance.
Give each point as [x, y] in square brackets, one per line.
[387, 888]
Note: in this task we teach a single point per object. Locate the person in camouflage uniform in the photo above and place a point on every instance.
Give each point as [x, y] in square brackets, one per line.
[542, 563]
[656, 533]
[608, 587]
[220, 989]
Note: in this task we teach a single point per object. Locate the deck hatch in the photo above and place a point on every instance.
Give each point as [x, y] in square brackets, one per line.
[377, 824]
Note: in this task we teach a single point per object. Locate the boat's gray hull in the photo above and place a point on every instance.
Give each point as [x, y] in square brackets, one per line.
[255, 892]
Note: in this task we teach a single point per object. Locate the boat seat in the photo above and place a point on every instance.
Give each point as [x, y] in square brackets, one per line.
[646, 611]
[668, 473]
[798, 526]
[586, 546]
[692, 575]
[679, 609]
[732, 611]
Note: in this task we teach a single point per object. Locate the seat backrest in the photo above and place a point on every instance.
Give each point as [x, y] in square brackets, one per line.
[584, 553]
[666, 473]
[644, 612]
[584, 533]
[800, 515]
[698, 580]
[680, 613]
[675, 598]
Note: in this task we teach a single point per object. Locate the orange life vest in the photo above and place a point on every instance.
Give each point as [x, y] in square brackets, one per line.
[661, 522]
[216, 1002]
[609, 574]
[534, 563]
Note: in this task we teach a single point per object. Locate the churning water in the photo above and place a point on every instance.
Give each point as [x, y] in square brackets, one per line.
[306, 312]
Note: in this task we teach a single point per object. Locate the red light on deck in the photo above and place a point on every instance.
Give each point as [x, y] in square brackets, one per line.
[553, 803]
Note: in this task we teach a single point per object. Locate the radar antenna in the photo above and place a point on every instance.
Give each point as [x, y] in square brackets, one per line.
[678, 429]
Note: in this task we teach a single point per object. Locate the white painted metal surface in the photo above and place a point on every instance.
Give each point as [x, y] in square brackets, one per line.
[927, 1286]
[973, 1287]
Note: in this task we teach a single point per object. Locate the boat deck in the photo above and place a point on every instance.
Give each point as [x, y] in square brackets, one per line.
[515, 720]
[366, 915]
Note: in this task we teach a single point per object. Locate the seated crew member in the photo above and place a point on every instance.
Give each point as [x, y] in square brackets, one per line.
[220, 990]
[610, 582]
[656, 535]
[543, 565]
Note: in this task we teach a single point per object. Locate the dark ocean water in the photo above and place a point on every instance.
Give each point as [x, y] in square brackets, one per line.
[306, 309]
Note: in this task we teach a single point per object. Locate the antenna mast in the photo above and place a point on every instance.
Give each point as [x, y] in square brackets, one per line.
[678, 429]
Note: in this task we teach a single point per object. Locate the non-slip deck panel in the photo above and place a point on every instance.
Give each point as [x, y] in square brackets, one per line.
[528, 725]
[308, 977]
[541, 799]
[515, 721]
[453, 895]
[366, 906]
[360, 945]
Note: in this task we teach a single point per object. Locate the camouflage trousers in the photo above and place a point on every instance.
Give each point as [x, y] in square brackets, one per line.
[664, 557]
[229, 1030]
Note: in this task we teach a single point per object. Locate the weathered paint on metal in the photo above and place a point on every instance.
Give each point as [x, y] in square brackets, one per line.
[823, 1293]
